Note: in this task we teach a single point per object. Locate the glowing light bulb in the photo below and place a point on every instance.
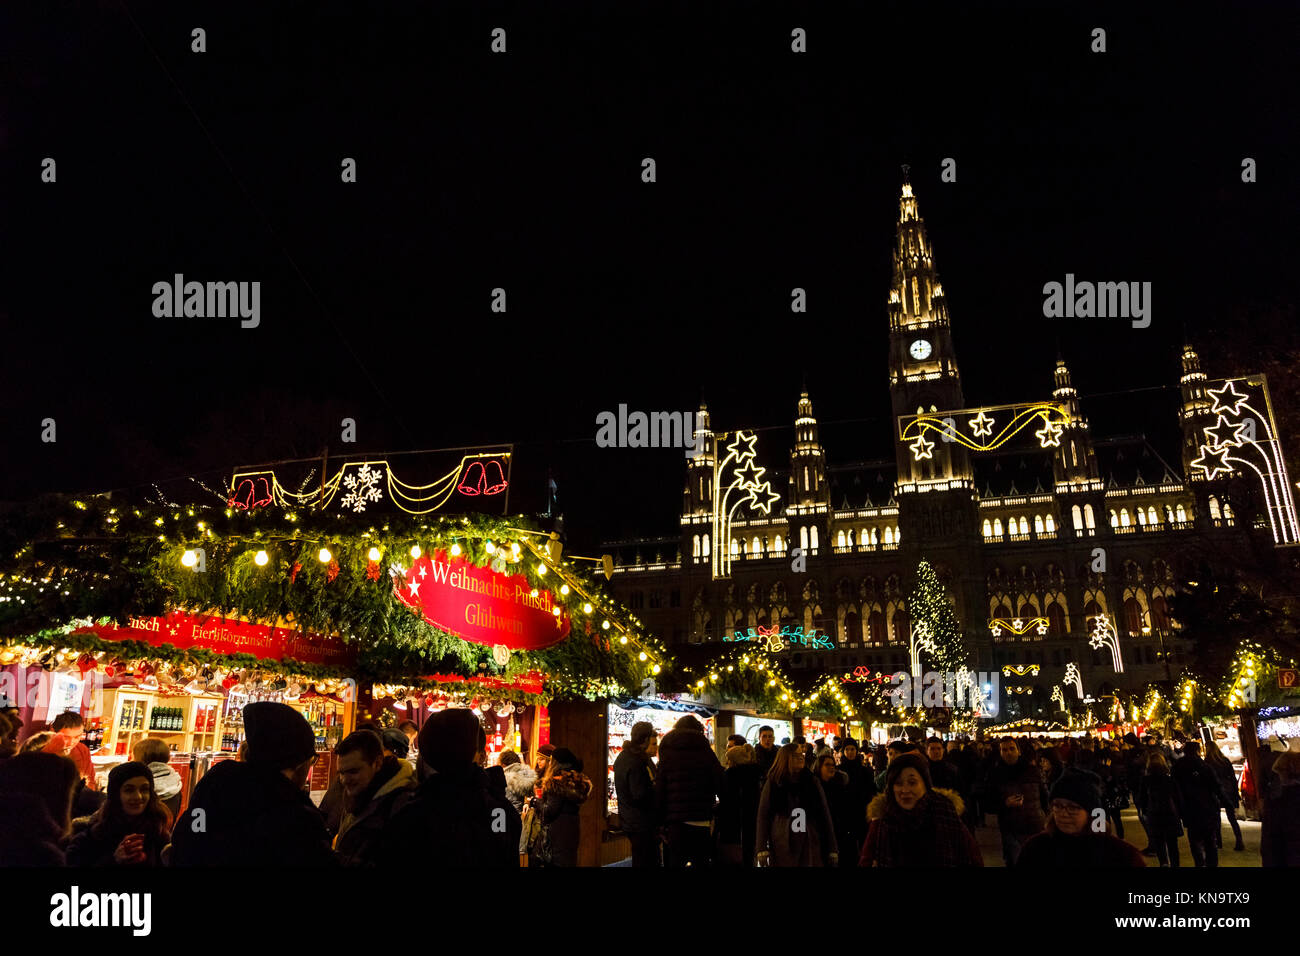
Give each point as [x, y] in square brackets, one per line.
[261, 558]
[564, 589]
[514, 549]
[556, 610]
[586, 608]
[491, 548]
[605, 625]
[655, 669]
[374, 554]
[642, 656]
[189, 559]
[541, 570]
[415, 551]
[623, 639]
[455, 549]
[324, 555]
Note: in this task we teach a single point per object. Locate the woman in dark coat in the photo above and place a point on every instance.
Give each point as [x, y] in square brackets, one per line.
[1162, 809]
[1279, 835]
[130, 829]
[1226, 774]
[794, 822]
[742, 782]
[913, 824]
[839, 799]
[564, 790]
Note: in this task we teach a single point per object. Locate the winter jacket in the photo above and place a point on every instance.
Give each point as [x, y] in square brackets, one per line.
[167, 785]
[765, 758]
[1199, 789]
[245, 814]
[393, 788]
[634, 785]
[931, 834]
[1279, 838]
[91, 846]
[814, 841]
[839, 800]
[1227, 778]
[1161, 805]
[86, 801]
[521, 783]
[1054, 850]
[1022, 777]
[945, 776]
[862, 787]
[689, 777]
[452, 823]
[562, 799]
[28, 834]
[333, 805]
[738, 809]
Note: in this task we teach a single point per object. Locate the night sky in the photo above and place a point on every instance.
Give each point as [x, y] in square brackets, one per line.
[522, 170]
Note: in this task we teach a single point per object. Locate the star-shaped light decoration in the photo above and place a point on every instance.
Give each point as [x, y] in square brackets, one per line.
[921, 448]
[1102, 632]
[1042, 628]
[763, 497]
[750, 474]
[924, 636]
[415, 586]
[981, 424]
[745, 441]
[1213, 461]
[997, 630]
[1018, 624]
[1225, 432]
[1049, 436]
[1227, 399]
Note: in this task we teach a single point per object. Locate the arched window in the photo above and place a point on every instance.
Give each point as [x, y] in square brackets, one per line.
[814, 539]
[875, 537]
[1114, 518]
[1027, 610]
[695, 546]
[1159, 613]
[1133, 622]
[852, 628]
[803, 538]
[1214, 508]
[1051, 524]
[839, 539]
[780, 543]
[876, 626]
[1087, 516]
[1152, 517]
[1181, 513]
[1141, 516]
[1024, 525]
[997, 527]
[1227, 511]
[889, 535]
[735, 548]
[849, 537]
[901, 627]
[757, 546]
[1124, 519]
[1055, 619]
[805, 477]
[1091, 611]
[1078, 518]
[1038, 524]
[706, 546]
[898, 535]
[988, 528]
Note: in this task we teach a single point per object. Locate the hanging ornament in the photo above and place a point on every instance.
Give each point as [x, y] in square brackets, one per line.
[332, 571]
[84, 663]
[501, 654]
[499, 562]
[293, 574]
[372, 571]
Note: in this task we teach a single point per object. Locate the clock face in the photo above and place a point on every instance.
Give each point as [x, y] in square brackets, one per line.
[920, 350]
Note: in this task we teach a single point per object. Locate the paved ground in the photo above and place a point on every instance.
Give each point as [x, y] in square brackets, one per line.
[991, 843]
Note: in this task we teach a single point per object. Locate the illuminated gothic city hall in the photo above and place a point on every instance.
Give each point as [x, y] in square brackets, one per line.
[1042, 533]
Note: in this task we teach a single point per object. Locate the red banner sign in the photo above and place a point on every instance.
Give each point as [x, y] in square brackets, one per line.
[222, 636]
[529, 682]
[480, 605]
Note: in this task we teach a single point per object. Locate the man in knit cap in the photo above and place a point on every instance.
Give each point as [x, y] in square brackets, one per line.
[256, 812]
[453, 822]
[1070, 839]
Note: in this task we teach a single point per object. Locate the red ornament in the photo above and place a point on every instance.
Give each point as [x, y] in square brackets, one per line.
[587, 625]
[293, 575]
[372, 570]
[332, 571]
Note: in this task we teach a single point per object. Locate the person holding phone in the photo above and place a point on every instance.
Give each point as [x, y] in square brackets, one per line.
[129, 829]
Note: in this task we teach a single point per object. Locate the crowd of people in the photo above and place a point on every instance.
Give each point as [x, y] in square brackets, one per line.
[428, 794]
[915, 802]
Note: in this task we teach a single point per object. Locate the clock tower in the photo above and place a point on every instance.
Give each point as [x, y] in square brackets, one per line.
[923, 372]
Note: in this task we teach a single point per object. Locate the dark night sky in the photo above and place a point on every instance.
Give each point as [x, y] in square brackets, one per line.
[523, 171]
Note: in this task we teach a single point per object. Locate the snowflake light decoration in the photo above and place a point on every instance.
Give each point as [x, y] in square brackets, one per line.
[363, 487]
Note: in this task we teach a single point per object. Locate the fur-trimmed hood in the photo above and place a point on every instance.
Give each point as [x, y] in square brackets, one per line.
[521, 780]
[876, 808]
[570, 785]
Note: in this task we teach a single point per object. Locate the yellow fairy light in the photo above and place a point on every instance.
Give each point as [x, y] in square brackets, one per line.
[374, 554]
[623, 639]
[541, 570]
[586, 608]
[415, 551]
[455, 549]
[324, 556]
[491, 548]
[189, 559]
[261, 558]
[564, 589]
[642, 656]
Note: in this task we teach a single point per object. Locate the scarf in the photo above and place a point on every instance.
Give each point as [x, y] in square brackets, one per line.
[930, 834]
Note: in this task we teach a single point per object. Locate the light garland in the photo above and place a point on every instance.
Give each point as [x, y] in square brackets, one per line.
[913, 428]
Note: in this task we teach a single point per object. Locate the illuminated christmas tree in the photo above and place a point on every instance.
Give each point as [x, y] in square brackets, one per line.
[929, 604]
